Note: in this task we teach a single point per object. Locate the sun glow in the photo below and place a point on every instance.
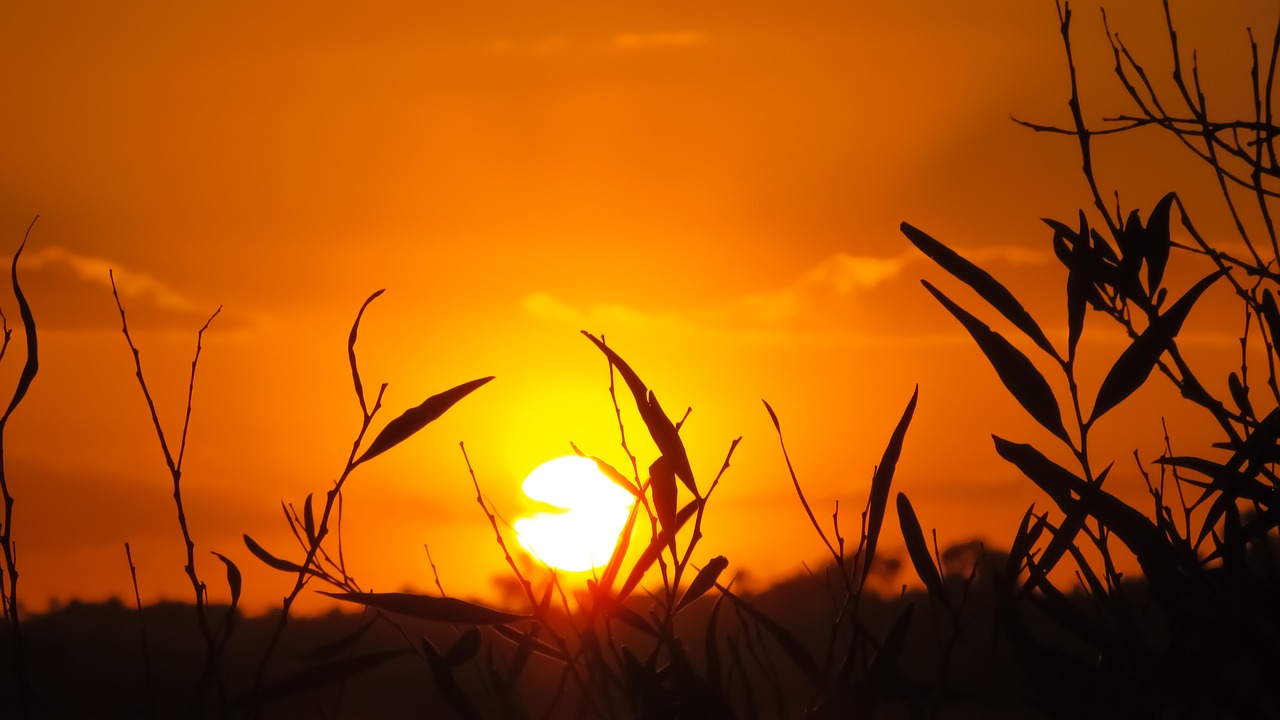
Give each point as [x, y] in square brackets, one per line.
[593, 510]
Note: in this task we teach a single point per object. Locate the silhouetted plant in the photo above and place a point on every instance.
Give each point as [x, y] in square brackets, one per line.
[1199, 634]
[215, 639]
[9, 573]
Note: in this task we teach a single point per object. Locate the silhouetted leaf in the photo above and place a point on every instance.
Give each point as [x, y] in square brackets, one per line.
[1135, 364]
[269, 559]
[427, 607]
[918, 551]
[661, 429]
[788, 642]
[322, 675]
[234, 580]
[527, 640]
[351, 351]
[711, 644]
[446, 683]
[1018, 374]
[1271, 313]
[32, 365]
[662, 488]
[1023, 540]
[653, 550]
[878, 497]
[309, 520]
[464, 648]
[619, 611]
[620, 549]
[339, 645]
[704, 581]
[1129, 525]
[1240, 394]
[1226, 479]
[416, 418]
[615, 475]
[988, 287]
[891, 649]
[1157, 243]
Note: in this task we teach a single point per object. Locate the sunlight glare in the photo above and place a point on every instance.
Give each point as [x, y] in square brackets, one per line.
[582, 535]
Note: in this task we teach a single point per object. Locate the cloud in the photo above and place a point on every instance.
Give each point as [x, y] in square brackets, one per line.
[72, 291]
[639, 41]
[817, 300]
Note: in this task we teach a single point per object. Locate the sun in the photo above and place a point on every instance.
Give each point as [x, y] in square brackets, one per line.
[581, 535]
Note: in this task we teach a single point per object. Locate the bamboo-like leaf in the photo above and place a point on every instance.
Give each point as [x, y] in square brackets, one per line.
[269, 559]
[891, 649]
[918, 551]
[309, 520]
[1271, 314]
[785, 639]
[1129, 525]
[661, 429]
[427, 607]
[711, 644]
[619, 611]
[234, 580]
[321, 675]
[1157, 242]
[704, 581]
[464, 648]
[339, 645]
[527, 640]
[878, 498]
[653, 550]
[351, 351]
[1134, 365]
[1240, 394]
[32, 365]
[1079, 284]
[1018, 374]
[1226, 479]
[988, 287]
[615, 475]
[1023, 540]
[662, 487]
[416, 418]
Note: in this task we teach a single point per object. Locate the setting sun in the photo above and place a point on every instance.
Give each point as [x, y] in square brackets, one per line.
[591, 510]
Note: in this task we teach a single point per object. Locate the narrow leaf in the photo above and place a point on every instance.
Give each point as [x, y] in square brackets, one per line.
[988, 287]
[416, 418]
[322, 675]
[653, 550]
[343, 643]
[309, 520]
[32, 366]
[891, 649]
[464, 648]
[269, 559]
[704, 581]
[1155, 249]
[1018, 374]
[234, 580]
[662, 487]
[787, 641]
[427, 607]
[918, 551]
[1137, 361]
[661, 429]
[351, 351]
[878, 498]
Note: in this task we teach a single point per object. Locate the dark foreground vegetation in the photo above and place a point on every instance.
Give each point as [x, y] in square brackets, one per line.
[659, 635]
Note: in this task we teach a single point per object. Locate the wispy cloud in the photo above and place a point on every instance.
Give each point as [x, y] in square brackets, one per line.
[97, 271]
[812, 302]
[638, 41]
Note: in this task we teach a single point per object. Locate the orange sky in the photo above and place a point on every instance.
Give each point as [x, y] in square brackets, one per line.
[716, 189]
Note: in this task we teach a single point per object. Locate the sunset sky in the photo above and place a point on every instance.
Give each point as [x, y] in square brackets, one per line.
[715, 187]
